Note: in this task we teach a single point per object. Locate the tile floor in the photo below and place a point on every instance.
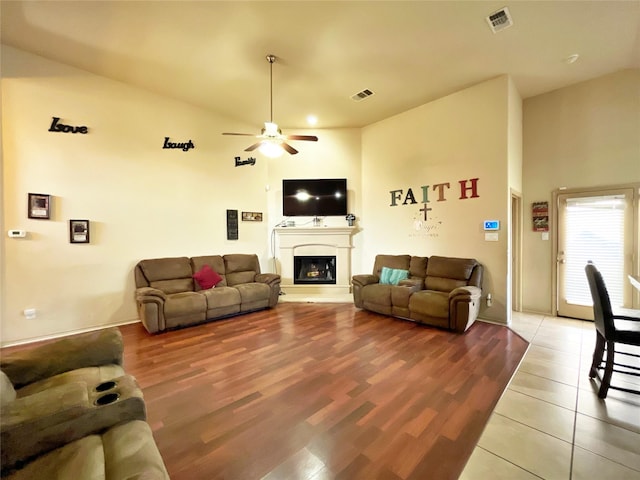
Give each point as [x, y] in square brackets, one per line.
[550, 422]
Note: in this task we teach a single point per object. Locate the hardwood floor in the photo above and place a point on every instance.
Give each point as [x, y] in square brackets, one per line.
[319, 391]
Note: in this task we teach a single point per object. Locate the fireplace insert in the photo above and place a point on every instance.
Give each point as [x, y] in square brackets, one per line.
[318, 269]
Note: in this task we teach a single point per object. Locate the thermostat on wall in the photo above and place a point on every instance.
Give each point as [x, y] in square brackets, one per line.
[17, 233]
[492, 225]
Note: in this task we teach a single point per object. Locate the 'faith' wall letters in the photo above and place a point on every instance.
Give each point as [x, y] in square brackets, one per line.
[468, 189]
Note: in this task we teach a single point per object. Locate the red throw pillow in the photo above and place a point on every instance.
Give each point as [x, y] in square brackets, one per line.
[207, 277]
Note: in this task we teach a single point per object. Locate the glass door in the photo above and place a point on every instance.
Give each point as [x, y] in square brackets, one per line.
[596, 226]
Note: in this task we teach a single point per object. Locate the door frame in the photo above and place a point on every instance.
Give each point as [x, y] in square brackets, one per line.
[635, 261]
[516, 251]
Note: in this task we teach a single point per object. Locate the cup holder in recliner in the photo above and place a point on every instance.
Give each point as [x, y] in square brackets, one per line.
[104, 386]
[107, 399]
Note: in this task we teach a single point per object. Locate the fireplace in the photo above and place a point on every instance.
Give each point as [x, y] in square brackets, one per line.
[320, 243]
[314, 270]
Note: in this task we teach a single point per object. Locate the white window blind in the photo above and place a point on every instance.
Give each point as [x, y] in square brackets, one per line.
[595, 231]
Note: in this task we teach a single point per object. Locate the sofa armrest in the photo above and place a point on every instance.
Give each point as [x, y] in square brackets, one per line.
[268, 278]
[48, 419]
[359, 282]
[143, 292]
[464, 307]
[92, 349]
[150, 304]
[465, 292]
[364, 279]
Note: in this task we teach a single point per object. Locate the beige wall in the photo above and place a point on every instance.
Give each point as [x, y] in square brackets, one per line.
[585, 135]
[142, 201]
[458, 137]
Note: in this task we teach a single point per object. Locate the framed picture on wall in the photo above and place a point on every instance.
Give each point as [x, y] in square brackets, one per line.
[39, 206]
[251, 216]
[79, 231]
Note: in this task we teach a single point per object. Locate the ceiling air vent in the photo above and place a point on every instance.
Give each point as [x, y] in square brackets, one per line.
[358, 97]
[499, 20]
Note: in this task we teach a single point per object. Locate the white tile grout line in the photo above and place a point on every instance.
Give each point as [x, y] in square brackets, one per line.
[509, 461]
[575, 413]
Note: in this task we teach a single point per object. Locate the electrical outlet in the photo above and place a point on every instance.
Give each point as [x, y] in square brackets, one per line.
[29, 313]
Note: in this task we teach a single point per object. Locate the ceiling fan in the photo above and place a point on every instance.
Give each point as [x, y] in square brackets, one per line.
[272, 141]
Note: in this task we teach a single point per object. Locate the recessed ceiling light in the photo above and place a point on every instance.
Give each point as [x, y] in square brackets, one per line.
[312, 120]
[571, 59]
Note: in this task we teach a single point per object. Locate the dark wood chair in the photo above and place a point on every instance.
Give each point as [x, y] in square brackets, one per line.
[611, 328]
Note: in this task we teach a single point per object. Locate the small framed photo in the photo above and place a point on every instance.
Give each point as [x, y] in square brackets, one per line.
[251, 216]
[79, 231]
[39, 206]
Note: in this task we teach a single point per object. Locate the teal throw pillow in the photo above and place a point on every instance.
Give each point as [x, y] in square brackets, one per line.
[392, 276]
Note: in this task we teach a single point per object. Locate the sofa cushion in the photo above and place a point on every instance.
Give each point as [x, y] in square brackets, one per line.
[185, 303]
[171, 287]
[253, 292]
[123, 451]
[159, 269]
[430, 303]
[392, 276]
[221, 297]
[377, 293]
[241, 268]
[239, 278]
[392, 261]
[446, 273]
[207, 278]
[171, 275]
[418, 267]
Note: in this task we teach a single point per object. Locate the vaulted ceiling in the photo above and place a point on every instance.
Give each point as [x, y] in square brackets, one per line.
[212, 53]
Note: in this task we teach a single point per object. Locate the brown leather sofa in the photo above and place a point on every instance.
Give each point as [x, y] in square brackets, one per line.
[439, 291]
[70, 412]
[167, 296]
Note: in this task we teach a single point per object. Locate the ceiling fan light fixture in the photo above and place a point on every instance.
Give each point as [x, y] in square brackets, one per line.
[271, 129]
[272, 143]
[271, 149]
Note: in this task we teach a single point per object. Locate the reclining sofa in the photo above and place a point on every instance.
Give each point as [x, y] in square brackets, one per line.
[170, 292]
[70, 412]
[438, 291]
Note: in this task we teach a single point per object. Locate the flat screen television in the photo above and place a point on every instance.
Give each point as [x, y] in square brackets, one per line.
[314, 197]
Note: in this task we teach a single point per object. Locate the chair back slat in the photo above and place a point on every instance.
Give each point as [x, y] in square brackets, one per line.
[602, 313]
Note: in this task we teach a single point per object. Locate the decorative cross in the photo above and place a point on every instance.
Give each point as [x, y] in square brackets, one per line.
[425, 209]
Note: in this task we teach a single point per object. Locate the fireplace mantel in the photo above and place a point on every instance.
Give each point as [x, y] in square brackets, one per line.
[296, 241]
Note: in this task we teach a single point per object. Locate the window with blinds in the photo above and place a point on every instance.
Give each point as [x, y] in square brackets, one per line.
[595, 230]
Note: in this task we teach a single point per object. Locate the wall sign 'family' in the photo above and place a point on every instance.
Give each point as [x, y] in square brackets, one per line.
[56, 126]
[248, 161]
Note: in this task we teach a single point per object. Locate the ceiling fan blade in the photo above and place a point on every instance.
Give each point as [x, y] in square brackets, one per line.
[243, 134]
[253, 147]
[311, 138]
[289, 148]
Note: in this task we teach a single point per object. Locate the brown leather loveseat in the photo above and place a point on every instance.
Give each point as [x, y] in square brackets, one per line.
[169, 295]
[439, 291]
